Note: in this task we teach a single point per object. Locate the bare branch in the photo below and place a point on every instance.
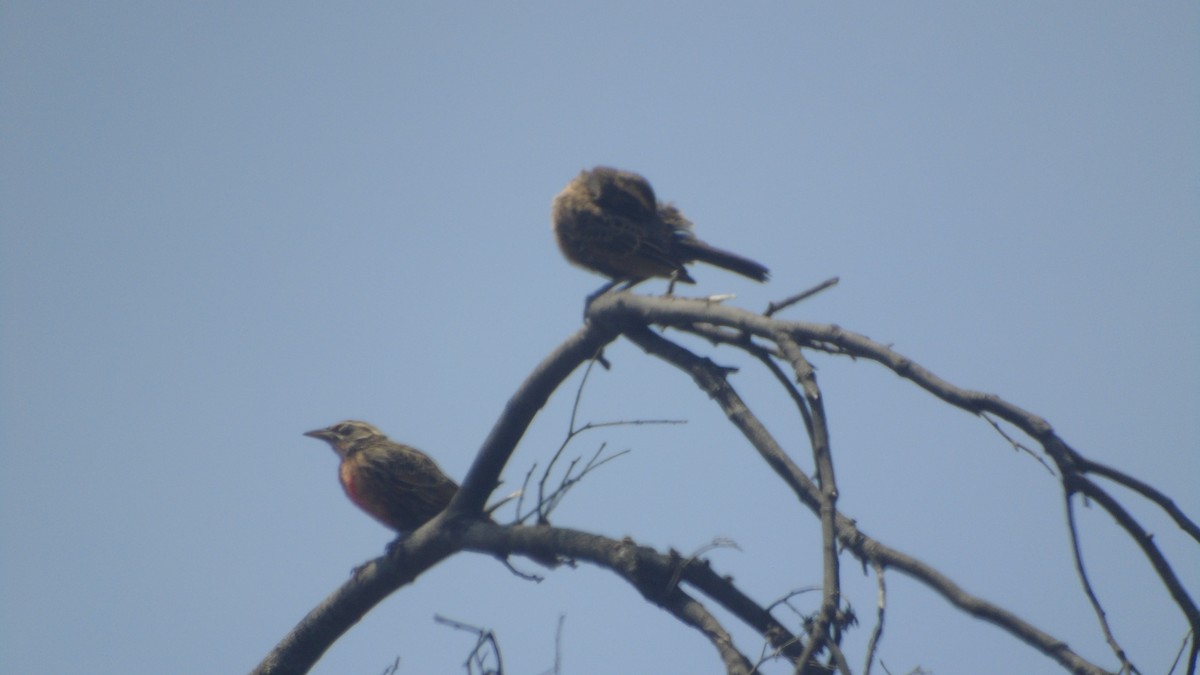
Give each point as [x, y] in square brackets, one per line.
[824, 631]
[532, 395]
[629, 312]
[370, 584]
[877, 553]
[1126, 666]
[546, 503]
[656, 576]
[774, 307]
[669, 580]
[1019, 447]
[486, 645]
[1148, 491]
[711, 379]
[1145, 541]
[880, 614]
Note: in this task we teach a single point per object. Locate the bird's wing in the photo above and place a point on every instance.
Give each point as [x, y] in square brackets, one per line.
[622, 247]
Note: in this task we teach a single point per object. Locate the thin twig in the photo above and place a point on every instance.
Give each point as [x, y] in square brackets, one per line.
[1018, 446]
[880, 611]
[1126, 666]
[478, 656]
[775, 307]
[719, 542]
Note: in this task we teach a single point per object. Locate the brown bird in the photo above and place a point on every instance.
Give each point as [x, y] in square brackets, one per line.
[396, 484]
[609, 221]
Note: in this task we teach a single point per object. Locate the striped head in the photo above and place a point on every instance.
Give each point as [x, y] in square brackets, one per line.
[345, 437]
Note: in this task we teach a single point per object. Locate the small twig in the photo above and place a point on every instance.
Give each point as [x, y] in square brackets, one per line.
[716, 543]
[552, 500]
[504, 500]
[880, 611]
[774, 307]
[478, 657]
[1188, 637]
[771, 652]
[524, 490]
[587, 371]
[527, 576]
[547, 502]
[558, 633]
[1126, 665]
[1018, 446]
[786, 599]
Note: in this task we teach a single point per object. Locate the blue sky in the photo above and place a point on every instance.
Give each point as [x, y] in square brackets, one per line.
[224, 224]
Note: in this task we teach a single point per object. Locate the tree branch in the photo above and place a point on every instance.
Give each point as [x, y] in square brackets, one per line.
[534, 392]
[632, 313]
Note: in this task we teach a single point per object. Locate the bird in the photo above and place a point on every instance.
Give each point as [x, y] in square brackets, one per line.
[609, 221]
[396, 484]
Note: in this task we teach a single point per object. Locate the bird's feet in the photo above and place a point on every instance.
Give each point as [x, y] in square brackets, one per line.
[392, 545]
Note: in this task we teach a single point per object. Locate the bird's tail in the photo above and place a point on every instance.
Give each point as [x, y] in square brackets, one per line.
[698, 250]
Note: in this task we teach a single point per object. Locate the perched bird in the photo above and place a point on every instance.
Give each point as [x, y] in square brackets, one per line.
[396, 484]
[609, 221]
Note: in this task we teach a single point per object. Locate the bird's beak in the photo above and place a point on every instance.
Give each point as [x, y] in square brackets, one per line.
[321, 434]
